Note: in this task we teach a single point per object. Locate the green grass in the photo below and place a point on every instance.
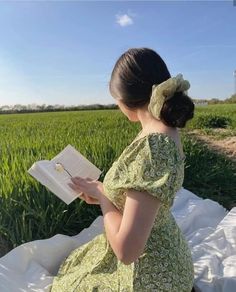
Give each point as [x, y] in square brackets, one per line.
[28, 211]
[225, 110]
[209, 174]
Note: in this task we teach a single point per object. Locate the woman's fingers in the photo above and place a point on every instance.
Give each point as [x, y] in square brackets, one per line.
[90, 200]
[78, 185]
[73, 186]
[83, 196]
[79, 179]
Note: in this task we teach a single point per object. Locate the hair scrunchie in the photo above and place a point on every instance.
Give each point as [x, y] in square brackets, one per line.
[164, 91]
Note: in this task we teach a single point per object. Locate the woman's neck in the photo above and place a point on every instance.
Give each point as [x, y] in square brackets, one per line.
[150, 124]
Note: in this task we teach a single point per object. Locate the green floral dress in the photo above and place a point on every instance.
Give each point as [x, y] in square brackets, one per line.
[151, 163]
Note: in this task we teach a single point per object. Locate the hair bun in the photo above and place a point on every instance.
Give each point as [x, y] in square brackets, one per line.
[177, 110]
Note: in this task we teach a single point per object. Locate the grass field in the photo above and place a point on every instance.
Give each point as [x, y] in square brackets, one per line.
[28, 211]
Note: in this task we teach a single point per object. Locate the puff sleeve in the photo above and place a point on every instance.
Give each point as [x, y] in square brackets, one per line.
[148, 166]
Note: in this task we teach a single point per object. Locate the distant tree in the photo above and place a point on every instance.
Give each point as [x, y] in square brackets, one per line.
[5, 108]
[232, 99]
[49, 107]
[19, 108]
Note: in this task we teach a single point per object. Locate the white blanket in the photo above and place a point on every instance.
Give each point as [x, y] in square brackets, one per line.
[208, 227]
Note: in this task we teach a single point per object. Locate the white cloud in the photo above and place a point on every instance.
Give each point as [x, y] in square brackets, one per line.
[124, 20]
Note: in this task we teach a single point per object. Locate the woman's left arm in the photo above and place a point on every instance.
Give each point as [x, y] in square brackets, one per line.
[123, 230]
[128, 232]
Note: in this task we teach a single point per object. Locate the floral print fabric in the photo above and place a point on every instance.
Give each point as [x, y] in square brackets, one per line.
[151, 163]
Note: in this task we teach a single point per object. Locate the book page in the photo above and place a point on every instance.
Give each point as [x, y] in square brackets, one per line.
[76, 164]
[35, 172]
[41, 170]
[72, 163]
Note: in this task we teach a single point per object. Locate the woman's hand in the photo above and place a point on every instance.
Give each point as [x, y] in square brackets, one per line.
[89, 200]
[92, 189]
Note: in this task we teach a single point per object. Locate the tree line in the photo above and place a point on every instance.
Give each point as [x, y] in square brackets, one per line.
[31, 108]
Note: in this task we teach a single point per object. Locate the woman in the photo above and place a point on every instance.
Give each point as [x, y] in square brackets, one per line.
[142, 248]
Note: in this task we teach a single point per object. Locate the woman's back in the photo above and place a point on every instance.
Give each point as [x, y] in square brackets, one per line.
[153, 163]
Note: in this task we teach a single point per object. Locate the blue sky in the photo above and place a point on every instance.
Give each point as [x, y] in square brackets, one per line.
[63, 52]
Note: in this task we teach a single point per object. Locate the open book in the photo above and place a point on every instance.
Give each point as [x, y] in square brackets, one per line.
[56, 173]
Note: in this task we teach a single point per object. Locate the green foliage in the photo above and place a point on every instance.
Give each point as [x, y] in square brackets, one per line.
[212, 121]
[209, 174]
[232, 99]
[214, 116]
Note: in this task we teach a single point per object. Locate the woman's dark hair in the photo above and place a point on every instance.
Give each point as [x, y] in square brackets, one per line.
[131, 81]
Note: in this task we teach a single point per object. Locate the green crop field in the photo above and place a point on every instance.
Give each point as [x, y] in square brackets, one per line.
[28, 211]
